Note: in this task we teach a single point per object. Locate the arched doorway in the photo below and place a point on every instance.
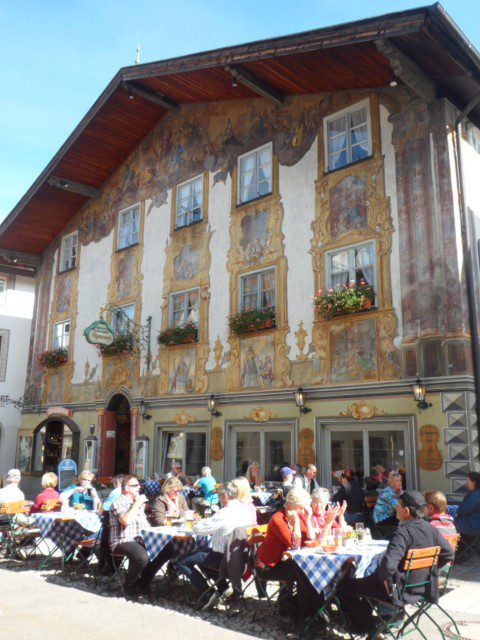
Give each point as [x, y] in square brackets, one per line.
[117, 430]
[54, 439]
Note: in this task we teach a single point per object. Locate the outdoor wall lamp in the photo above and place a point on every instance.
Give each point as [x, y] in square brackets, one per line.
[419, 391]
[142, 407]
[212, 406]
[92, 429]
[300, 397]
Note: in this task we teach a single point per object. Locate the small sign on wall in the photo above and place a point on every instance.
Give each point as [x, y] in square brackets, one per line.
[110, 434]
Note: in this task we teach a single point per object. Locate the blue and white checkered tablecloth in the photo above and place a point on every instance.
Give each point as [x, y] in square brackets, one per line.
[151, 488]
[157, 538]
[452, 510]
[320, 568]
[64, 530]
[261, 496]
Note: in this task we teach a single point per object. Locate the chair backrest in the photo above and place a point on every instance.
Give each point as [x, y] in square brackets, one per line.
[370, 501]
[12, 508]
[421, 559]
[51, 505]
[256, 534]
[453, 540]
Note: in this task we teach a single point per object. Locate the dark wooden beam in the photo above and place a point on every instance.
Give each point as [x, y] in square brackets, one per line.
[408, 71]
[74, 187]
[135, 89]
[255, 84]
[19, 258]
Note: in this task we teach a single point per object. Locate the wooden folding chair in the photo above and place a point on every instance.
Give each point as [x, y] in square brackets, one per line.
[86, 551]
[51, 505]
[20, 540]
[394, 620]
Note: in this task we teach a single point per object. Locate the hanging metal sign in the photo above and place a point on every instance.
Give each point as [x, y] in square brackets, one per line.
[99, 332]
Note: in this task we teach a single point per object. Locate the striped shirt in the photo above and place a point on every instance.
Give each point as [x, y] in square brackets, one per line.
[133, 531]
[443, 523]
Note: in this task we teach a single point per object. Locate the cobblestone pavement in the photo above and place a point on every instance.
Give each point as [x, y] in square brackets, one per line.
[40, 605]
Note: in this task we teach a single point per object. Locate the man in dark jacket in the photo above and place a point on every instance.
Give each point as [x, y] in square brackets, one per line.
[385, 584]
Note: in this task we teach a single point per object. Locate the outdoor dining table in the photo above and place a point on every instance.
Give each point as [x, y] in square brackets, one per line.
[153, 488]
[321, 567]
[157, 538]
[65, 529]
[261, 497]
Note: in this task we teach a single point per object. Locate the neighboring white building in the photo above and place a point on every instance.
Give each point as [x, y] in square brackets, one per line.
[17, 294]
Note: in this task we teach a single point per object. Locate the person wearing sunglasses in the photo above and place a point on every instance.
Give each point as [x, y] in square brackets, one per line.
[127, 521]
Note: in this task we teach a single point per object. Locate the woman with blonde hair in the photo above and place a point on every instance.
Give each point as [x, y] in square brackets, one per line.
[85, 494]
[244, 496]
[253, 475]
[172, 501]
[49, 482]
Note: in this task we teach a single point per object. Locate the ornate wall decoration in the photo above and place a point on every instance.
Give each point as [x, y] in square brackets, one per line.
[217, 352]
[4, 342]
[306, 454]
[216, 446]
[362, 410]
[260, 414]
[182, 418]
[351, 207]
[429, 456]
[300, 336]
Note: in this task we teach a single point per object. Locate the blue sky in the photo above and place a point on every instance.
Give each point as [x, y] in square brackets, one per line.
[56, 56]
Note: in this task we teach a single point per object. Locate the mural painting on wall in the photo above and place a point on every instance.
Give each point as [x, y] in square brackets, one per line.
[348, 210]
[64, 294]
[126, 271]
[429, 457]
[55, 387]
[185, 264]
[193, 140]
[257, 362]
[181, 375]
[353, 353]
[254, 237]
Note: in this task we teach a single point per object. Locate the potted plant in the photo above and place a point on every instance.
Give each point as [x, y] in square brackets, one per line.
[344, 300]
[178, 335]
[122, 344]
[252, 320]
[53, 358]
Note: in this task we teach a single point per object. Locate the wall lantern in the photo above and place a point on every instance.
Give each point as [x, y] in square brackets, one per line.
[142, 407]
[141, 453]
[90, 450]
[419, 391]
[212, 406]
[300, 397]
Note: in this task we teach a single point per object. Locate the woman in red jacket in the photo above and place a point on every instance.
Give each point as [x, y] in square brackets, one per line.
[289, 529]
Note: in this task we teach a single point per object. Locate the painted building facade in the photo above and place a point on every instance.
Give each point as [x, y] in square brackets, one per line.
[257, 203]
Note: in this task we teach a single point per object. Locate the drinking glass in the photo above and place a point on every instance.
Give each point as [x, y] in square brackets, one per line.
[207, 513]
[168, 519]
[360, 530]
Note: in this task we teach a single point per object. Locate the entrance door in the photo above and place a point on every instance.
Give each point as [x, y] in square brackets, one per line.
[271, 446]
[361, 448]
[122, 445]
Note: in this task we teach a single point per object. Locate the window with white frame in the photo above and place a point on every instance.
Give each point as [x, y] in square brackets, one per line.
[257, 290]
[347, 136]
[122, 319]
[355, 263]
[255, 174]
[128, 225]
[3, 291]
[184, 308]
[68, 255]
[61, 335]
[189, 202]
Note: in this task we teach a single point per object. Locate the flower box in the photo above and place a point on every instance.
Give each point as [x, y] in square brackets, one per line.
[53, 359]
[252, 320]
[121, 345]
[344, 300]
[188, 333]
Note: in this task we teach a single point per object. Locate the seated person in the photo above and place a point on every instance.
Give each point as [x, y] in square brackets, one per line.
[232, 515]
[324, 516]
[288, 475]
[371, 487]
[306, 480]
[384, 511]
[171, 501]
[206, 485]
[289, 529]
[413, 532]
[254, 476]
[49, 482]
[436, 513]
[467, 519]
[351, 492]
[11, 492]
[379, 475]
[83, 494]
[244, 497]
[127, 521]
[104, 558]
[177, 472]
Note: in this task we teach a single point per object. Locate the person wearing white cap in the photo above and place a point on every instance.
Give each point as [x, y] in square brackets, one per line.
[11, 492]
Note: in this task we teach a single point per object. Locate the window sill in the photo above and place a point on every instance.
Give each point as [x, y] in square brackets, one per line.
[67, 270]
[346, 315]
[253, 200]
[190, 224]
[129, 246]
[327, 172]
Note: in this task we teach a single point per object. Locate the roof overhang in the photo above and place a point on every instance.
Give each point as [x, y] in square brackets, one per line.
[356, 55]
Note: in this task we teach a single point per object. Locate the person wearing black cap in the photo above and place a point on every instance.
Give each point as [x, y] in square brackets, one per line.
[413, 532]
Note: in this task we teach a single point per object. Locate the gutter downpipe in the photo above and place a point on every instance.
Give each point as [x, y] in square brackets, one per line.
[467, 252]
